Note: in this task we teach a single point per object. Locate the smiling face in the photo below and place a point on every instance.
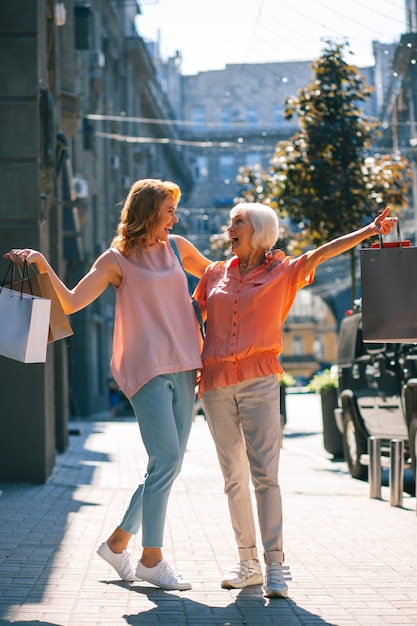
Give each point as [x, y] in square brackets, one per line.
[167, 218]
[240, 234]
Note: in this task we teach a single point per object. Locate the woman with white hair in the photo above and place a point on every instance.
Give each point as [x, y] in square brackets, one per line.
[246, 300]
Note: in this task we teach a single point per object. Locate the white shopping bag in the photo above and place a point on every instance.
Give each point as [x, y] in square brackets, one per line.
[41, 285]
[24, 326]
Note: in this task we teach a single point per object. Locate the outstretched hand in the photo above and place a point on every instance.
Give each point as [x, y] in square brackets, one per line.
[383, 224]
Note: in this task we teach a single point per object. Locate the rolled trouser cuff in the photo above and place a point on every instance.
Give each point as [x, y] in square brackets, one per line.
[245, 554]
[274, 556]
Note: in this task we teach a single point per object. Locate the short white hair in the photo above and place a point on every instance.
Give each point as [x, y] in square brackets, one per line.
[264, 220]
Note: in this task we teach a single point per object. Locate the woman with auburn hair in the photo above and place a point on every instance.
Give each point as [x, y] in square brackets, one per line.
[156, 352]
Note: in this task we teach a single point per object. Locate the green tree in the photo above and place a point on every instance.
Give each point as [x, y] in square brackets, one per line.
[325, 178]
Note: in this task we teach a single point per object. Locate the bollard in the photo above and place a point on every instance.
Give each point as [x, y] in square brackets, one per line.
[374, 452]
[396, 472]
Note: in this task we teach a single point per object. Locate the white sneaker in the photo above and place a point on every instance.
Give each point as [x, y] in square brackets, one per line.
[275, 585]
[122, 563]
[244, 574]
[163, 576]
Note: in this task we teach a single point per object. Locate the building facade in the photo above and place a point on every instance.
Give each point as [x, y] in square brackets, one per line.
[88, 107]
[80, 84]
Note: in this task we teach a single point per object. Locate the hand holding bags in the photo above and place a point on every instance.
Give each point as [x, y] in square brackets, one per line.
[24, 325]
[41, 285]
[389, 292]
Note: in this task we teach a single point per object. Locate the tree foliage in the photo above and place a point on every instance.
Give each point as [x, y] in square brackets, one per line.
[326, 178]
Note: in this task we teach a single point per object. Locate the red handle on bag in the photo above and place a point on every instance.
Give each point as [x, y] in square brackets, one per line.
[405, 243]
[392, 244]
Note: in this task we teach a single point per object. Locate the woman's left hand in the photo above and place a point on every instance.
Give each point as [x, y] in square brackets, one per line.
[273, 258]
[383, 224]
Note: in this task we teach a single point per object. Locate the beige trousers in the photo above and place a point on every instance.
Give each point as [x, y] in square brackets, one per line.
[245, 423]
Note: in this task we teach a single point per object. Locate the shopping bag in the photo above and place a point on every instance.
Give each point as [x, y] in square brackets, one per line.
[41, 285]
[24, 325]
[389, 292]
[59, 325]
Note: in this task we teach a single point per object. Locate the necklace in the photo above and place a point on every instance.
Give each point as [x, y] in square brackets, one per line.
[247, 267]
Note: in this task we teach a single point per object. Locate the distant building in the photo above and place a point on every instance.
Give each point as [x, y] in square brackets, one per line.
[310, 336]
[234, 118]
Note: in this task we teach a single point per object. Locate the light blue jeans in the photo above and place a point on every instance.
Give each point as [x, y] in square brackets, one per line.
[164, 410]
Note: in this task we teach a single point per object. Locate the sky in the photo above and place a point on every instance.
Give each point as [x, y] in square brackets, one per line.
[212, 33]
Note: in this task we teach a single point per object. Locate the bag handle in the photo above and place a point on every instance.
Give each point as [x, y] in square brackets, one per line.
[8, 270]
[399, 242]
[24, 273]
[193, 300]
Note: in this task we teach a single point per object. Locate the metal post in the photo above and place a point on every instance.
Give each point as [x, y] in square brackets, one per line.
[374, 452]
[396, 472]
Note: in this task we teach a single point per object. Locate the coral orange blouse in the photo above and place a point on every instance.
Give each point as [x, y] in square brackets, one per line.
[245, 318]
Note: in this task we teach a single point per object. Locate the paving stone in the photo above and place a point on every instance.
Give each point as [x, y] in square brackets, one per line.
[353, 559]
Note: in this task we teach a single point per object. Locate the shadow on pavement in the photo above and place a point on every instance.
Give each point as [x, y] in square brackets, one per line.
[249, 608]
[29, 623]
[288, 435]
[31, 511]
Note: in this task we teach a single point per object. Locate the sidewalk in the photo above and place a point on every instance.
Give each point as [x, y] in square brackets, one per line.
[353, 560]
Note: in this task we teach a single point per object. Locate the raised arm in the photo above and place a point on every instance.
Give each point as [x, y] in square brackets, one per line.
[381, 224]
[193, 261]
[104, 271]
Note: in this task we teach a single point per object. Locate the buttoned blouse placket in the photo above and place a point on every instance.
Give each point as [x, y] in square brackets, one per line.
[235, 321]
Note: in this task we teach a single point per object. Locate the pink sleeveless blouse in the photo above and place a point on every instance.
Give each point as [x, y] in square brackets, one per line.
[155, 329]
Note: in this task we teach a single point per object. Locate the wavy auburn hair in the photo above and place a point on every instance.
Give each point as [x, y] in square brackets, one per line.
[139, 217]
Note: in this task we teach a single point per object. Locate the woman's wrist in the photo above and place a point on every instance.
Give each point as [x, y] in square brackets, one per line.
[373, 229]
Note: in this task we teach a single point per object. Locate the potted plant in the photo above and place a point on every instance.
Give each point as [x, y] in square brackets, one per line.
[326, 384]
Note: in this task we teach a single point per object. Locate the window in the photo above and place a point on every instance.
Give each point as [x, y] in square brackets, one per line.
[198, 118]
[278, 116]
[297, 345]
[252, 117]
[302, 307]
[200, 168]
[318, 348]
[225, 118]
[227, 167]
[82, 27]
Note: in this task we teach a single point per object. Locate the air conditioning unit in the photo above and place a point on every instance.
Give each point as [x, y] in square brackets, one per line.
[97, 59]
[80, 187]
